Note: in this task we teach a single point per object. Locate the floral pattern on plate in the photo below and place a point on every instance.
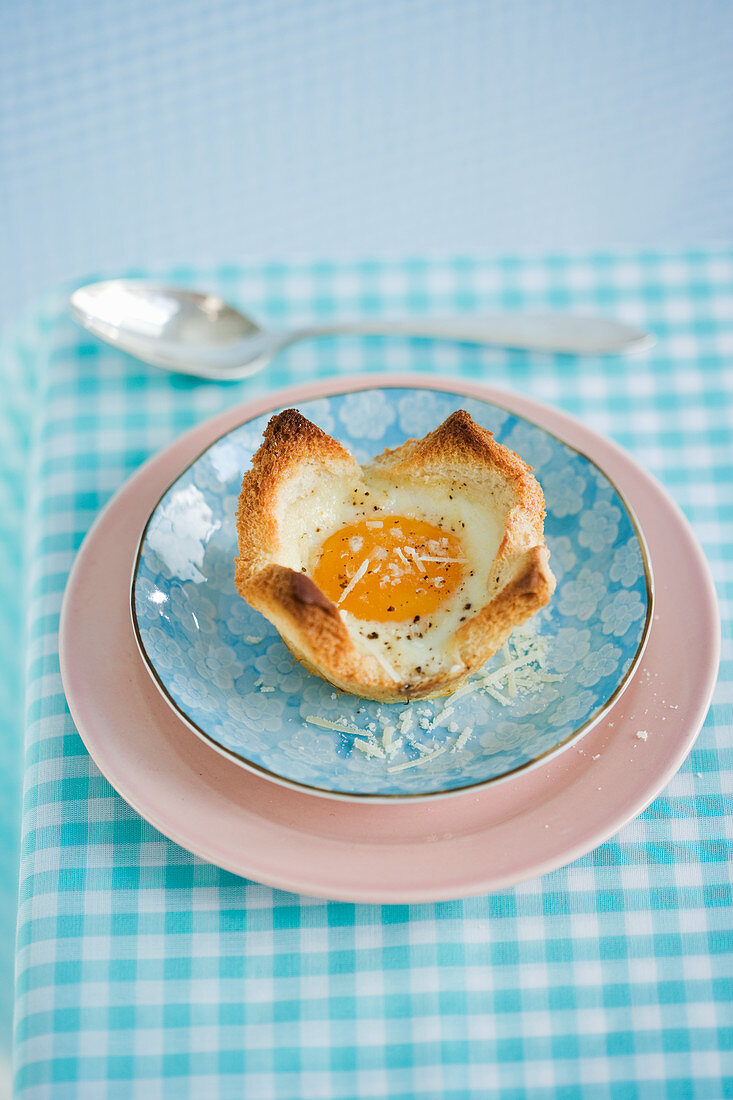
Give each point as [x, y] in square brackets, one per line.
[227, 672]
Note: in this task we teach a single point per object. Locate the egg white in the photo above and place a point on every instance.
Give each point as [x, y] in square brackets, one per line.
[406, 650]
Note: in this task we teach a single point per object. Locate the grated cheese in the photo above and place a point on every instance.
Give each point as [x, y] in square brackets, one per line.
[466, 689]
[523, 671]
[461, 740]
[414, 554]
[444, 560]
[254, 639]
[354, 580]
[400, 554]
[340, 727]
[405, 720]
[371, 748]
[510, 667]
[418, 761]
[497, 695]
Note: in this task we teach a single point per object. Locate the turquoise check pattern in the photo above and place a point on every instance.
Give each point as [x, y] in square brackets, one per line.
[145, 973]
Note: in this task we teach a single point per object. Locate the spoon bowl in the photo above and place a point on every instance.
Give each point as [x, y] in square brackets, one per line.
[201, 334]
[169, 327]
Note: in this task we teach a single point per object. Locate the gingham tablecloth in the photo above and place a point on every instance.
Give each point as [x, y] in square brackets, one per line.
[143, 972]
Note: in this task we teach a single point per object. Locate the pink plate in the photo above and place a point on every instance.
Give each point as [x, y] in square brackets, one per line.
[468, 844]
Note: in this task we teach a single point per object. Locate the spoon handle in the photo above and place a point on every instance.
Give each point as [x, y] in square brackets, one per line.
[574, 334]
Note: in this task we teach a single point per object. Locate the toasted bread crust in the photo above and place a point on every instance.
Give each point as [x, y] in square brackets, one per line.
[519, 580]
[461, 447]
[290, 444]
[528, 590]
[313, 629]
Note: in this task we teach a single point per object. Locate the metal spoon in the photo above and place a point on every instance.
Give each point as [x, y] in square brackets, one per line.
[200, 334]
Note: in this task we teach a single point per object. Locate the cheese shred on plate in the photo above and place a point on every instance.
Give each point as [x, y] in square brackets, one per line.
[523, 671]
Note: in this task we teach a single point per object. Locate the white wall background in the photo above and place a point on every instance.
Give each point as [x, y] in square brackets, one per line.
[163, 130]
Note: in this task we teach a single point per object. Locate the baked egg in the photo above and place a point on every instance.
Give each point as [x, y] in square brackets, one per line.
[396, 579]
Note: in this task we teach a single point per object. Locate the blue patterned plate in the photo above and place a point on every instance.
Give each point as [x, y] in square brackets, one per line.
[226, 672]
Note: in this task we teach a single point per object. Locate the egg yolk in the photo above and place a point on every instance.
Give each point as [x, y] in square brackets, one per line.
[390, 568]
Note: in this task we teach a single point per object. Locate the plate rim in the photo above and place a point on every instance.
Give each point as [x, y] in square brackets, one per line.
[371, 383]
[349, 881]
